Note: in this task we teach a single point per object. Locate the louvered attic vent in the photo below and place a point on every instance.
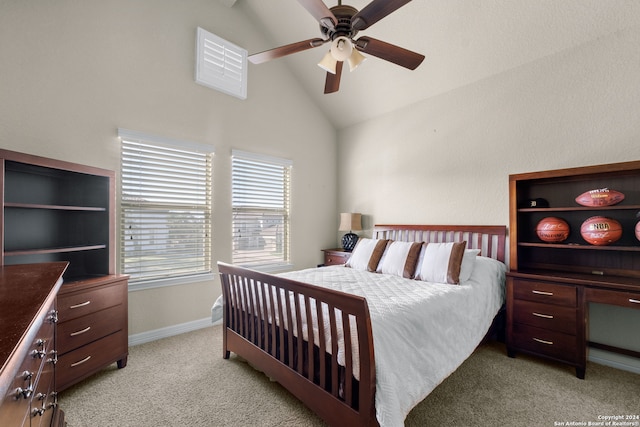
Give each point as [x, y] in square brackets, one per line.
[221, 65]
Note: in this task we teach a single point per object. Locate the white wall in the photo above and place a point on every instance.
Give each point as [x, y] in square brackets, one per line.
[447, 160]
[72, 72]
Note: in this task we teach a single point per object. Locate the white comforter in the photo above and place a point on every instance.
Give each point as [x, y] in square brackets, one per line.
[422, 331]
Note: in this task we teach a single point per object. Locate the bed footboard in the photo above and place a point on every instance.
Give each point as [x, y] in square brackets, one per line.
[269, 321]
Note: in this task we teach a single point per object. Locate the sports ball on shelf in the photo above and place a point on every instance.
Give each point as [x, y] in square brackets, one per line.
[638, 230]
[600, 197]
[552, 229]
[600, 230]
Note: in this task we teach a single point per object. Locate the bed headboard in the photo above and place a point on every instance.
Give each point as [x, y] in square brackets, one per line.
[490, 239]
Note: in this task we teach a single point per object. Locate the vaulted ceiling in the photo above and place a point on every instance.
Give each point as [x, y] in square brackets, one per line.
[464, 41]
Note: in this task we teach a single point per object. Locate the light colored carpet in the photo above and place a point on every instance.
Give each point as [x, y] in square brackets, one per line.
[184, 381]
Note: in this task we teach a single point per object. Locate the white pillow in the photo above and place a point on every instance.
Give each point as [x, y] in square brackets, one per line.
[488, 270]
[468, 262]
[367, 254]
[399, 259]
[441, 262]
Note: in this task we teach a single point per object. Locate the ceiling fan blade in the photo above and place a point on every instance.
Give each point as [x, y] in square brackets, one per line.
[389, 52]
[332, 82]
[321, 12]
[278, 52]
[375, 11]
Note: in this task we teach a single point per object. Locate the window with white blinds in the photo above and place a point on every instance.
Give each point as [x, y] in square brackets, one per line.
[260, 205]
[165, 209]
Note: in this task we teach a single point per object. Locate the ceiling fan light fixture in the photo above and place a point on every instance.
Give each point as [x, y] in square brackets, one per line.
[355, 59]
[328, 63]
[341, 48]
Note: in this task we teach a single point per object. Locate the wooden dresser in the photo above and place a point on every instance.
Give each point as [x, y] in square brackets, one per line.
[27, 344]
[550, 285]
[92, 328]
[336, 256]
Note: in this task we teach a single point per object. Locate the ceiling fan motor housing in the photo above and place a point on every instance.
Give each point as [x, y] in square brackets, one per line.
[343, 14]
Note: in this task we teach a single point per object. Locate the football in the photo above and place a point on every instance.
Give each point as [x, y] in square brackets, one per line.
[638, 230]
[600, 197]
[552, 229]
[600, 230]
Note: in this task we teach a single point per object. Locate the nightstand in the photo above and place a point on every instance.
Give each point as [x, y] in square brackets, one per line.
[336, 256]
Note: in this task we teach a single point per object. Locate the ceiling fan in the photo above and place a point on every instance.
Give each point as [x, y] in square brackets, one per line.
[339, 25]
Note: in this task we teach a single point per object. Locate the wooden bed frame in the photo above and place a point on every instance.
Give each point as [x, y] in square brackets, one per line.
[311, 372]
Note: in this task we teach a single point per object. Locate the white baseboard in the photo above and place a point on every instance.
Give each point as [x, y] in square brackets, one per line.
[614, 360]
[169, 331]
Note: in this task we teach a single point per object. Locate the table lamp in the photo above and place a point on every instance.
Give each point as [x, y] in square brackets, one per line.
[350, 222]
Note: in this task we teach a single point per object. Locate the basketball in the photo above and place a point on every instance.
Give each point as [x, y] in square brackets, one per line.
[600, 230]
[552, 229]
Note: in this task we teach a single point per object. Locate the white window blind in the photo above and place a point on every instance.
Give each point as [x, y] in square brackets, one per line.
[220, 64]
[165, 208]
[261, 208]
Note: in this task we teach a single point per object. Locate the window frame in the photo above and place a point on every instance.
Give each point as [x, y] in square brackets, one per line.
[206, 208]
[269, 162]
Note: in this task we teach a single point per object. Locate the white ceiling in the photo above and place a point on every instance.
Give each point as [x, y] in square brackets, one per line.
[464, 41]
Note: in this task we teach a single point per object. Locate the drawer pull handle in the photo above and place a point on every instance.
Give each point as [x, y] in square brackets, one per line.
[82, 304]
[635, 301]
[542, 293]
[546, 316]
[80, 362]
[73, 334]
[24, 393]
[543, 341]
[38, 412]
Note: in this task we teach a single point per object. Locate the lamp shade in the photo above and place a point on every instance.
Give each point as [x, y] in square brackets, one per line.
[350, 221]
[328, 63]
[355, 59]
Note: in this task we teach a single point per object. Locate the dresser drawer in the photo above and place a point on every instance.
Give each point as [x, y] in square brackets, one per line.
[86, 360]
[83, 330]
[545, 342]
[554, 317]
[620, 298]
[77, 304]
[336, 256]
[545, 293]
[14, 407]
[43, 397]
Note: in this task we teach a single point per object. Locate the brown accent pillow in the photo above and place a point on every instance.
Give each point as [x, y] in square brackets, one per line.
[455, 262]
[441, 262]
[377, 254]
[367, 254]
[412, 260]
[400, 259]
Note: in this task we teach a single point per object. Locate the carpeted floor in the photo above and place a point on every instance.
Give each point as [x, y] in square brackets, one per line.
[184, 381]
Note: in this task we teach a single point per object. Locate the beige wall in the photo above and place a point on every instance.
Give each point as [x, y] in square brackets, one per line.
[447, 160]
[72, 72]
